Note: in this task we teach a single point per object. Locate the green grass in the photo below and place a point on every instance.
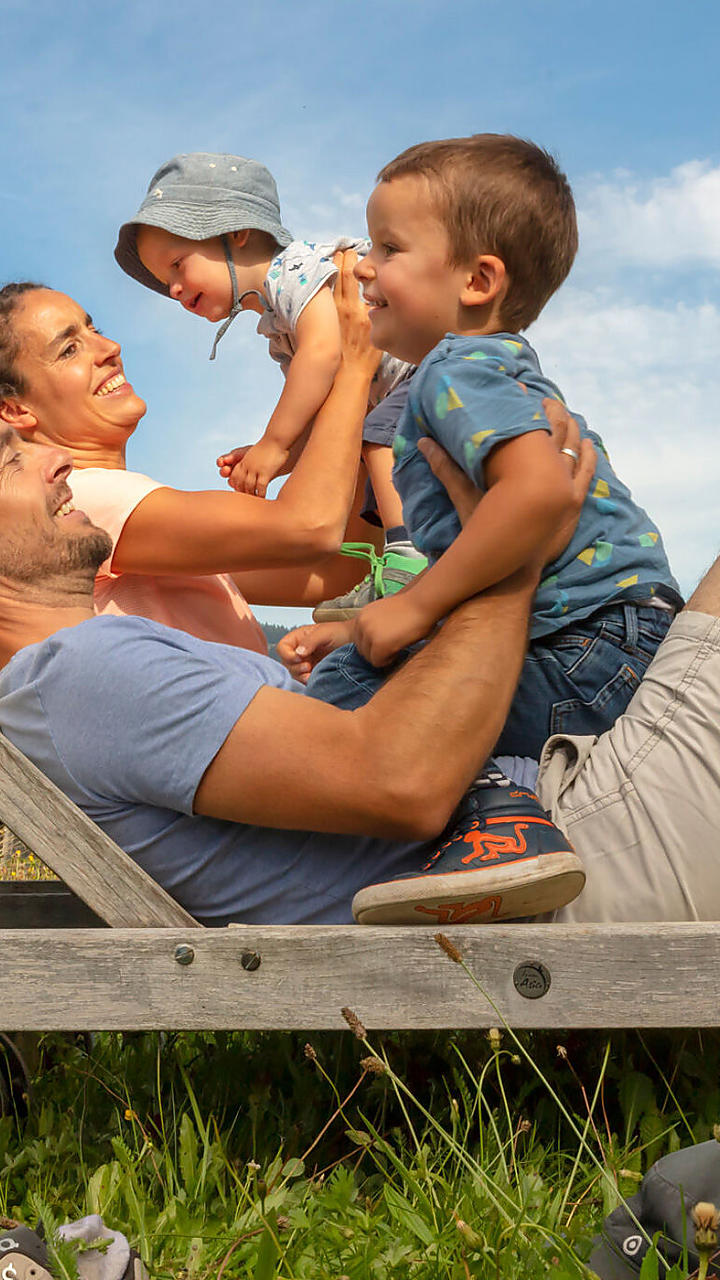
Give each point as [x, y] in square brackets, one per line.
[418, 1156]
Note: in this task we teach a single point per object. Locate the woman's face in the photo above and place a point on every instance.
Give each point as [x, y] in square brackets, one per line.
[75, 387]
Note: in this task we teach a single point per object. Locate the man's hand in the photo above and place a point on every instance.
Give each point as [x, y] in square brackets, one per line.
[565, 434]
[461, 491]
[301, 649]
[386, 626]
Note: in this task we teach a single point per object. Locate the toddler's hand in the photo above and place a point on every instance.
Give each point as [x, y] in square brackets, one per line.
[385, 627]
[250, 468]
[227, 461]
[301, 650]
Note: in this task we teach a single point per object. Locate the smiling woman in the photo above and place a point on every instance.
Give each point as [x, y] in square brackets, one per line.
[190, 560]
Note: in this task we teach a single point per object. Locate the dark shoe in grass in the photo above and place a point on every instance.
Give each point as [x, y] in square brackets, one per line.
[501, 858]
[23, 1255]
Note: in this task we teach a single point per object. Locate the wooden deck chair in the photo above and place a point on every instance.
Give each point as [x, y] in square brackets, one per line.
[155, 967]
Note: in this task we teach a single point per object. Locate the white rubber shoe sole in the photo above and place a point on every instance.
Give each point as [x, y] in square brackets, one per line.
[478, 895]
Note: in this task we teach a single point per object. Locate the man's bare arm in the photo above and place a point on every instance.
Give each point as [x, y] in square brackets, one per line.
[396, 767]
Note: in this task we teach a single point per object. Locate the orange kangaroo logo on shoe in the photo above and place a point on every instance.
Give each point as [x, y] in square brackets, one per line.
[464, 912]
[487, 845]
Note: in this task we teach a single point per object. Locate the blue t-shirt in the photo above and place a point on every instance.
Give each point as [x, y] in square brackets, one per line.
[471, 394]
[125, 715]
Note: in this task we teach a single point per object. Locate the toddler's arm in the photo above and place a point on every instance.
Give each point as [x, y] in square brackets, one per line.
[309, 379]
[528, 492]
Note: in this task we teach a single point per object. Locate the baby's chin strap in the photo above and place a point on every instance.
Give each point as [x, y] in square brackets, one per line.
[237, 299]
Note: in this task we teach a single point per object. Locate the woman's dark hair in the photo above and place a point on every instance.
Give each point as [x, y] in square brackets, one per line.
[11, 384]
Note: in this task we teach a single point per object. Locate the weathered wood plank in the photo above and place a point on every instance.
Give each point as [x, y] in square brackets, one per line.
[89, 862]
[600, 976]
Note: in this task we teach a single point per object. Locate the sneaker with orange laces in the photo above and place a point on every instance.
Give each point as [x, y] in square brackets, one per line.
[500, 858]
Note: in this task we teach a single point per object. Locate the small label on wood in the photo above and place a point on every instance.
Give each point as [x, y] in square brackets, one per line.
[532, 979]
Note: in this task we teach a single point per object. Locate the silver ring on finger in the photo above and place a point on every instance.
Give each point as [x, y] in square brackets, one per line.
[571, 454]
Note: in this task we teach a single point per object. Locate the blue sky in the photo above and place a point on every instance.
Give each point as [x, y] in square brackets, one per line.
[93, 98]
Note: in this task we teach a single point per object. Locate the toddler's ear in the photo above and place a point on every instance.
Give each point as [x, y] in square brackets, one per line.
[240, 238]
[487, 281]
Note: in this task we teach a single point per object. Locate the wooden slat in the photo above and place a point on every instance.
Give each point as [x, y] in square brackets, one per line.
[600, 976]
[89, 862]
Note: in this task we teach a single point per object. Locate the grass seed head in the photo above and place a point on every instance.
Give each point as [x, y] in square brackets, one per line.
[374, 1065]
[469, 1236]
[448, 947]
[354, 1023]
[706, 1219]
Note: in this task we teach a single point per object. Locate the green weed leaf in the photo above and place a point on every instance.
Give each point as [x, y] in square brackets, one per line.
[403, 1212]
[268, 1252]
[188, 1153]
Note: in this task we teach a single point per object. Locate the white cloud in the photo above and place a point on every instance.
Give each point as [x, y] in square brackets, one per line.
[644, 378]
[663, 222]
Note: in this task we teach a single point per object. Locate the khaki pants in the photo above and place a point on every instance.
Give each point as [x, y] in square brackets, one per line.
[641, 804]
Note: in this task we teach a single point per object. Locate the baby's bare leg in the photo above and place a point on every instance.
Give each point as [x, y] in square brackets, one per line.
[378, 459]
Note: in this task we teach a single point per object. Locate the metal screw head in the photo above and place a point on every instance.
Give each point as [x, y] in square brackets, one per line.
[250, 960]
[531, 979]
[184, 953]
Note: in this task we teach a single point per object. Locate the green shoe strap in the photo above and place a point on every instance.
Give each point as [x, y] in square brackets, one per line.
[366, 551]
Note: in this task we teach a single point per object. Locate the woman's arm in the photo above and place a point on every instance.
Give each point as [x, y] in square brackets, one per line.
[304, 586]
[172, 531]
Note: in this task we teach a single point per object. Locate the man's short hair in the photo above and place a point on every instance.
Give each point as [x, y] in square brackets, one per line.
[498, 194]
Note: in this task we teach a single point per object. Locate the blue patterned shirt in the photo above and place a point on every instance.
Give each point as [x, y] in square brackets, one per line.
[471, 394]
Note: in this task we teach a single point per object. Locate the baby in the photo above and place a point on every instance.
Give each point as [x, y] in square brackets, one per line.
[470, 237]
[208, 234]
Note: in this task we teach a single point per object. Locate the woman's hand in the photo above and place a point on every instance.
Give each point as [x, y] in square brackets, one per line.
[301, 649]
[357, 350]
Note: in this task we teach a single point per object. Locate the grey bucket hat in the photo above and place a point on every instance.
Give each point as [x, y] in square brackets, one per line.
[668, 1194]
[199, 196]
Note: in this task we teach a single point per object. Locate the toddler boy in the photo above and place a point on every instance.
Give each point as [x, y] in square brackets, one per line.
[470, 237]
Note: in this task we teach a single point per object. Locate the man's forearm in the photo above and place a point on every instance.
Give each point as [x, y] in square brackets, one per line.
[440, 716]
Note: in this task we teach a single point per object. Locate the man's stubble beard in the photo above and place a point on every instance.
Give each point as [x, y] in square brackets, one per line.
[53, 555]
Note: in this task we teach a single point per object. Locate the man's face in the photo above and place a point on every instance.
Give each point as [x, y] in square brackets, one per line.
[195, 271]
[41, 533]
[75, 385]
[412, 290]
